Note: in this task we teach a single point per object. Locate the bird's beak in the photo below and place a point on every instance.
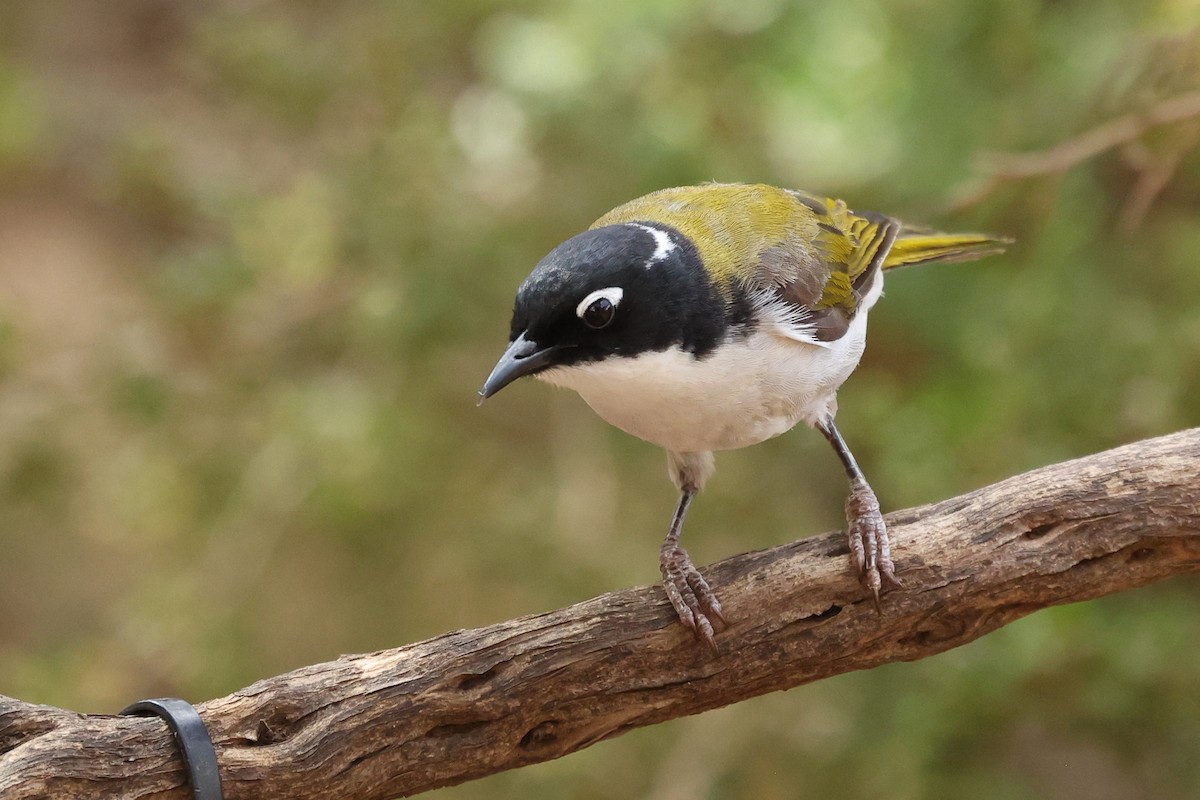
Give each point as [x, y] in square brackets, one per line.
[522, 358]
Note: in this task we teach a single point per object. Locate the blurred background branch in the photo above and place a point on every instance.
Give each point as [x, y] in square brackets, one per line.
[1155, 91]
[1000, 168]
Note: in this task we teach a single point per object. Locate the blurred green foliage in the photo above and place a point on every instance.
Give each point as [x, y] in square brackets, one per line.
[256, 259]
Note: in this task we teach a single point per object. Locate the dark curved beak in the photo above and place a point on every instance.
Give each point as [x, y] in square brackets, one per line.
[522, 358]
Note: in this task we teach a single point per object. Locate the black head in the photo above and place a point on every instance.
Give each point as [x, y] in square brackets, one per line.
[611, 292]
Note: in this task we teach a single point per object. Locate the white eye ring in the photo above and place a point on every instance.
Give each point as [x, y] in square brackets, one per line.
[612, 294]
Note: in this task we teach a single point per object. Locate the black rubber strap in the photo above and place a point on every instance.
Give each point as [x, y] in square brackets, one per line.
[199, 757]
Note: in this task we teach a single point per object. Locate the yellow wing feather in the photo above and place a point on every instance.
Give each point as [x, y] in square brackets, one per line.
[948, 248]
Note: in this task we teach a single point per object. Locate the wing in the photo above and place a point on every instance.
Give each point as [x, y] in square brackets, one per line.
[821, 291]
[805, 261]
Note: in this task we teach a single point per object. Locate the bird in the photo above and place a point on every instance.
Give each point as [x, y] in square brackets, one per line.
[714, 317]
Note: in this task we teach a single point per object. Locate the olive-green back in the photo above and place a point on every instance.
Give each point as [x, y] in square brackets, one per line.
[763, 236]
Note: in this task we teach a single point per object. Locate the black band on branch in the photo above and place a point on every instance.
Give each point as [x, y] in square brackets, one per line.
[199, 757]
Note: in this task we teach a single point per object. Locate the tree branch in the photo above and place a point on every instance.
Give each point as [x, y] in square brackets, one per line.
[1000, 168]
[475, 702]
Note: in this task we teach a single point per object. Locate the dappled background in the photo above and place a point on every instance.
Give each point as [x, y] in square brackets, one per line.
[256, 260]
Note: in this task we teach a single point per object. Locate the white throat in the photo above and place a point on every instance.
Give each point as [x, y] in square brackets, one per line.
[748, 390]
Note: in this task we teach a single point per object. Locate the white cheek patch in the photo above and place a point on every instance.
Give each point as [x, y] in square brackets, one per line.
[613, 294]
[663, 244]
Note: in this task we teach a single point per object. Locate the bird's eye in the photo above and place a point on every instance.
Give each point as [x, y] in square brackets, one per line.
[598, 308]
[599, 313]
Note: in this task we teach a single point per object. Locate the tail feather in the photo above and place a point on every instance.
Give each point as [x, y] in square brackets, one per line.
[924, 247]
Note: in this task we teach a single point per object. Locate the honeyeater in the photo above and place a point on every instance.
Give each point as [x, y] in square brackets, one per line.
[713, 317]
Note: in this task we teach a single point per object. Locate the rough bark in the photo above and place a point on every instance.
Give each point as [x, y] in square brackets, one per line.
[474, 702]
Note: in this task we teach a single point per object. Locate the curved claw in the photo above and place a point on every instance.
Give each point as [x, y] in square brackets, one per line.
[694, 601]
[870, 546]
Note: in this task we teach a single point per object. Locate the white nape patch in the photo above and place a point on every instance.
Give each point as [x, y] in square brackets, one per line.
[612, 294]
[663, 244]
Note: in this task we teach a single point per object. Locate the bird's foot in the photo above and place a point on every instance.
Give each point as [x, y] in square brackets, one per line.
[695, 603]
[870, 547]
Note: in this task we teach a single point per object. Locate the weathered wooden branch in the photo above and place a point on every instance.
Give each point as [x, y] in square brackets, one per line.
[471, 703]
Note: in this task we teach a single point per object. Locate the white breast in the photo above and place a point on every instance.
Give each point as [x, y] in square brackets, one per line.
[748, 391]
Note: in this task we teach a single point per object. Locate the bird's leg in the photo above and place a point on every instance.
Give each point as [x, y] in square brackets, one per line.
[695, 603]
[870, 547]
